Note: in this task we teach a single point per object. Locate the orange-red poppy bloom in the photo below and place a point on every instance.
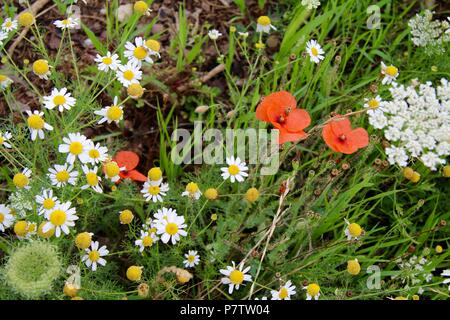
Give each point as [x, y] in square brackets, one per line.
[340, 137]
[129, 160]
[280, 109]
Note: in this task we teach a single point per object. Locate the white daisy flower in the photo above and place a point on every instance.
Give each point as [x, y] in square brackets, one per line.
[41, 68]
[312, 291]
[161, 214]
[37, 124]
[192, 191]
[137, 52]
[5, 81]
[284, 293]
[59, 98]
[315, 51]
[93, 256]
[263, 24]
[5, 138]
[9, 25]
[390, 73]
[112, 170]
[75, 145]
[445, 273]
[108, 62]
[22, 179]
[236, 170]
[154, 191]
[146, 240]
[214, 34]
[47, 202]
[153, 47]
[373, 105]
[92, 179]
[60, 175]
[69, 23]
[60, 218]
[113, 113]
[192, 259]
[6, 218]
[171, 228]
[96, 153]
[235, 276]
[128, 74]
[353, 230]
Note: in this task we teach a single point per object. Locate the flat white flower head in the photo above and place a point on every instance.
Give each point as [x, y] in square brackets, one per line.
[236, 170]
[137, 52]
[61, 175]
[22, 179]
[315, 51]
[59, 98]
[6, 218]
[60, 218]
[192, 259]
[146, 240]
[5, 138]
[36, 124]
[5, 81]
[47, 202]
[92, 179]
[112, 113]
[171, 228]
[390, 73]
[9, 25]
[129, 73]
[96, 153]
[214, 34]
[312, 291]
[235, 276]
[69, 23]
[107, 62]
[93, 256]
[76, 146]
[285, 292]
[192, 191]
[112, 170]
[154, 190]
[263, 24]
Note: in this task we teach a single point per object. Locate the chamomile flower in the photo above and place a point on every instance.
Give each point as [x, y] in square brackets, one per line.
[41, 69]
[5, 81]
[236, 170]
[47, 202]
[353, 230]
[92, 179]
[6, 218]
[36, 124]
[93, 256]
[137, 52]
[312, 291]
[445, 273]
[373, 105]
[390, 73]
[192, 259]
[60, 218]
[69, 23]
[284, 293]
[9, 25]
[263, 24]
[154, 191]
[108, 62]
[75, 145]
[22, 179]
[112, 170]
[315, 51]
[153, 47]
[96, 153]
[192, 191]
[161, 214]
[141, 7]
[113, 113]
[59, 98]
[129, 73]
[5, 138]
[214, 34]
[146, 240]
[60, 175]
[171, 228]
[235, 276]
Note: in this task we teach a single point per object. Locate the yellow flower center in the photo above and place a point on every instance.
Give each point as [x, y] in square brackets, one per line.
[58, 217]
[66, 22]
[26, 19]
[8, 24]
[264, 21]
[3, 77]
[236, 277]
[353, 267]
[314, 51]
[140, 7]
[83, 240]
[154, 174]
[391, 71]
[191, 258]
[252, 195]
[126, 216]
[76, 148]
[59, 100]
[233, 169]
[62, 176]
[40, 67]
[211, 194]
[192, 187]
[135, 90]
[91, 179]
[47, 234]
[35, 122]
[283, 294]
[48, 203]
[20, 228]
[134, 273]
[313, 289]
[147, 241]
[112, 169]
[140, 53]
[128, 75]
[2, 217]
[153, 190]
[354, 229]
[153, 45]
[172, 228]
[94, 255]
[94, 153]
[373, 103]
[1, 140]
[114, 113]
[20, 180]
[107, 60]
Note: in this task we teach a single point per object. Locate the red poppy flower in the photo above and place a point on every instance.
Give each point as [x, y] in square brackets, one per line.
[129, 160]
[340, 137]
[280, 109]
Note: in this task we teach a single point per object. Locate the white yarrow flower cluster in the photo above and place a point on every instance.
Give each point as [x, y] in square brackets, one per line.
[311, 4]
[416, 123]
[429, 33]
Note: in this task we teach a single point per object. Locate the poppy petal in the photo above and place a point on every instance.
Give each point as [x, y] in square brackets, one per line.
[329, 137]
[127, 159]
[286, 136]
[134, 175]
[359, 137]
[341, 126]
[274, 105]
[297, 120]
